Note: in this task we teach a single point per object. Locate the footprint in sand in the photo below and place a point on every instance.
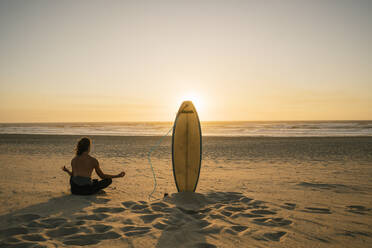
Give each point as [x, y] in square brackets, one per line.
[9, 240]
[226, 213]
[204, 245]
[246, 215]
[75, 224]
[321, 239]
[4, 233]
[48, 223]
[245, 200]
[160, 226]
[36, 224]
[100, 228]
[263, 212]
[206, 210]
[163, 209]
[235, 209]
[54, 222]
[217, 217]
[274, 236]
[99, 216]
[257, 204]
[357, 209]
[203, 223]
[19, 244]
[140, 208]
[101, 200]
[317, 210]
[33, 237]
[236, 229]
[211, 229]
[26, 217]
[128, 204]
[198, 216]
[128, 221]
[173, 222]
[289, 206]
[150, 217]
[177, 219]
[62, 231]
[90, 239]
[225, 197]
[187, 211]
[109, 210]
[272, 222]
[229, 231]
[355, 234]
[79, 222]
[218, 206]
[159, 206]
[135, 230]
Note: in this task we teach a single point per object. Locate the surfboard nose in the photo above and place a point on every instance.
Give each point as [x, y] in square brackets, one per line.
[187, 107]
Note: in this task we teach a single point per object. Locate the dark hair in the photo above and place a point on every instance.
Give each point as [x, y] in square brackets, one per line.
[82, 146]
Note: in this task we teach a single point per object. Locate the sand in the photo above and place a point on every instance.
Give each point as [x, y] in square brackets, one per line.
[253, 192]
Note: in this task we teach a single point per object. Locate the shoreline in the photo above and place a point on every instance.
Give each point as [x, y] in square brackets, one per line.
[204, 136]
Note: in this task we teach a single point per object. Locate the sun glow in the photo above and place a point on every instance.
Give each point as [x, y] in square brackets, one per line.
[196, 100]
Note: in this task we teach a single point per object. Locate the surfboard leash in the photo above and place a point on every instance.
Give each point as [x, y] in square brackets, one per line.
[149, 159]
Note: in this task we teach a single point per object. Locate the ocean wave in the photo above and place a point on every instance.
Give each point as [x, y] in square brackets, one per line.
[253, 129]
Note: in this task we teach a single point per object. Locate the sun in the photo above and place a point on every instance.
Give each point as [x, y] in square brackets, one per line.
[196, 99]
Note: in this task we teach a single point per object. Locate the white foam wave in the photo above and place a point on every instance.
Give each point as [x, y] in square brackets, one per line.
[253, 129]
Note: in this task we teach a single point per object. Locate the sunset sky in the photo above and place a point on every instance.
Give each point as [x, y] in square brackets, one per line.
[67, 61]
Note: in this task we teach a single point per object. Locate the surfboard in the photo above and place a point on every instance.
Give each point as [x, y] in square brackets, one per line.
[186, 148]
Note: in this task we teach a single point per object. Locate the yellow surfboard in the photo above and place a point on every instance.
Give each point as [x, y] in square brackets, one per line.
[186, 148]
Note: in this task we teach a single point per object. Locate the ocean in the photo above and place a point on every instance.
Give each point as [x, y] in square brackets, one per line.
[221, 129]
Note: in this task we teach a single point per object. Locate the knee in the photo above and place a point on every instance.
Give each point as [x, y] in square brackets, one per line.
[108, 181]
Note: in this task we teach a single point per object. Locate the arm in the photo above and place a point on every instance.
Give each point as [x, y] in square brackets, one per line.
[102, 175]
[67, 171]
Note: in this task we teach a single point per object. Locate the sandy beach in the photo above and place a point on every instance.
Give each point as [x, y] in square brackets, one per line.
[263, 107]
[252, 192]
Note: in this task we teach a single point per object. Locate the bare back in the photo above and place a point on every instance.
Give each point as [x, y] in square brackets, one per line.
[83, 165]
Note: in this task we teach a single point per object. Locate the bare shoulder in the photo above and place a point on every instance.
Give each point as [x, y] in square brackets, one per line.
[93, 160]
[73, 160]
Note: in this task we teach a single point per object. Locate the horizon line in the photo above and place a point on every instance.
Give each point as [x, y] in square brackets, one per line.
[214, 121]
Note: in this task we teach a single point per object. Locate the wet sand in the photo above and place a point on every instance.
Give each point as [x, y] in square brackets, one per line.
[253, 192]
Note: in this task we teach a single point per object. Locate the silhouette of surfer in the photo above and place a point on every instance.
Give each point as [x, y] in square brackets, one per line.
[82, 167]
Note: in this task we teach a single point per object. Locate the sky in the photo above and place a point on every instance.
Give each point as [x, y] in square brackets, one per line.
[97, 61]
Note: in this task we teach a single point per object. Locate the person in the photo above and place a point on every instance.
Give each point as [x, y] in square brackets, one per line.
[82, 167]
